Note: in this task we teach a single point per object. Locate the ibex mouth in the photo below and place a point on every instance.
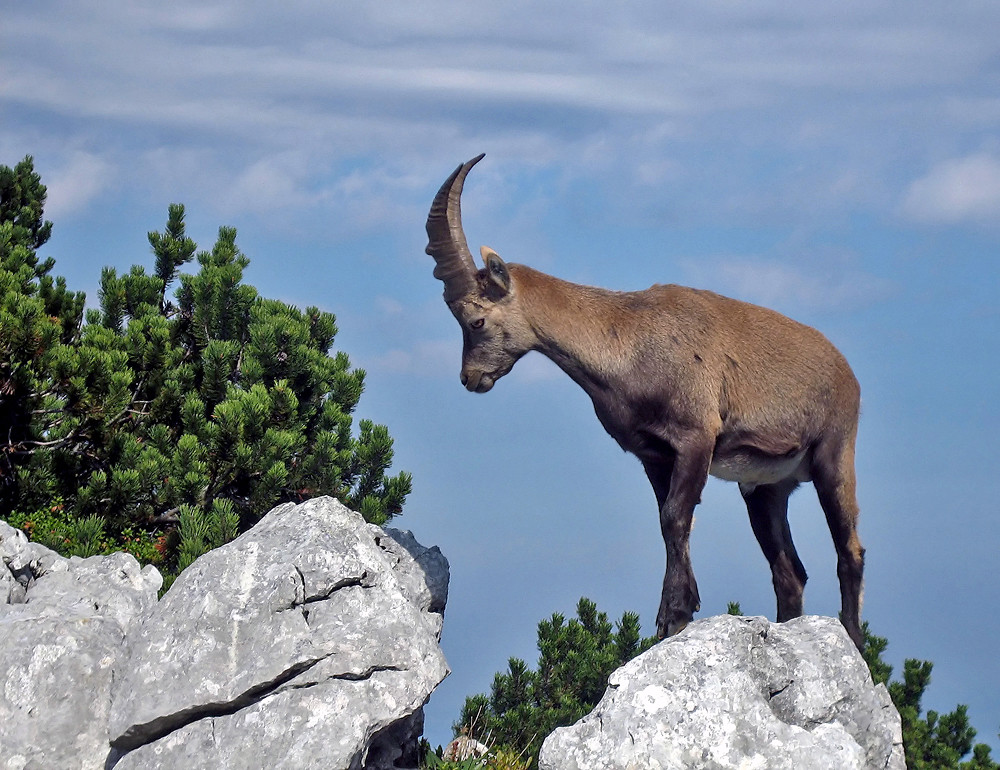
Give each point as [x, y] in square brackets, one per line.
[478, 382]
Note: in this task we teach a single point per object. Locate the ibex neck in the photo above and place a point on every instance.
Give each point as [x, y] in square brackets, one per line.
[577, 327]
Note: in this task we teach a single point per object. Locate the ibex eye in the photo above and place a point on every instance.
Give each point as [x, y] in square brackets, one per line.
[478, 323]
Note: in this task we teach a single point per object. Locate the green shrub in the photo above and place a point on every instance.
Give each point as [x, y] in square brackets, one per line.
[55, 527]
[178, 391]
[576, 657]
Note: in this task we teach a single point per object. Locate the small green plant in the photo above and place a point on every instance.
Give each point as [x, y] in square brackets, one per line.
[507, 759]
[56, 528]
[148, 546]
[433, 762]
[87, 536]
[200, 532]
[50, 526]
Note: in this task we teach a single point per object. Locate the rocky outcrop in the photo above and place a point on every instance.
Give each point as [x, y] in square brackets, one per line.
[309, 641]
[62, 624]
[738, 692]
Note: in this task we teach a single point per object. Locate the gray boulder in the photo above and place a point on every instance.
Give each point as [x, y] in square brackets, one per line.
[62, 622]
[310, 641]
[738, 692]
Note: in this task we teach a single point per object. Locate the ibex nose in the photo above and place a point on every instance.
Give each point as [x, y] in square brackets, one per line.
[473, 381]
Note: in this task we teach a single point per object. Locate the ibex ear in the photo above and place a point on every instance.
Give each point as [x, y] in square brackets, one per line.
[496, 269]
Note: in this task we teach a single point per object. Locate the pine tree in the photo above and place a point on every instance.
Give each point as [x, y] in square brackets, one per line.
[37, 314]
[201, 410]
[933, 741]
[575, 660]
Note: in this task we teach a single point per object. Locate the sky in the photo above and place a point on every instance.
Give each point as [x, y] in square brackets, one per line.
[839, 163]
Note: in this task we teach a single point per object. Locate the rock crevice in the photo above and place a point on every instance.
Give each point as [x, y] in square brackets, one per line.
[163, 726]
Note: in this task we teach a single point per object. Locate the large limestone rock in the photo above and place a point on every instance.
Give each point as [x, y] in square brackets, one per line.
[310, 641]
[62, 622]
[738, 692]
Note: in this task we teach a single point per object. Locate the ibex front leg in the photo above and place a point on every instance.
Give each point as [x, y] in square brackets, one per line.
[678, 482]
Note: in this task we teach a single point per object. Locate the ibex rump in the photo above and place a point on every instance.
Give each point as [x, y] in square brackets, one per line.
[692, 383]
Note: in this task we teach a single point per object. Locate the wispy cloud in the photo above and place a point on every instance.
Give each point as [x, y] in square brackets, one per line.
[74, 185]
[963, 189]
[391, 89]
[786, 286]
[428, 358]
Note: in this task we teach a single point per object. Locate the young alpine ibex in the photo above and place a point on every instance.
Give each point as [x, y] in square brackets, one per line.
[692, 383]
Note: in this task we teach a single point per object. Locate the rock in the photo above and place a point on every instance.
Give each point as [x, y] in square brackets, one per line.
[62, 622]
[424, 576]
[310, 641]
[738, 692]
[464, 747]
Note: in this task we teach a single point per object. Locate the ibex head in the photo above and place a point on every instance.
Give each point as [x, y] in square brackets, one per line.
[483, 300]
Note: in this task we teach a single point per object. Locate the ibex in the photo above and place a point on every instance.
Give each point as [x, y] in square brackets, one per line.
[692, 383]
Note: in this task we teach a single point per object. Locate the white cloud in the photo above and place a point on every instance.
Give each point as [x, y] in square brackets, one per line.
[376, 90]
[267, 185]
[789, 287]
[73, 186]
[389, 307]
[957, 190]
[270, 66]
[428, 358]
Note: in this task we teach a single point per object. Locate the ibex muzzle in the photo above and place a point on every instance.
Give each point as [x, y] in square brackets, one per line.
[692, 383]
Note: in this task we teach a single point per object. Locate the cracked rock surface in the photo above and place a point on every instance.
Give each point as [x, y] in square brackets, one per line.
[738, 692]
[62, 622]
[310, 641]
[307, 642]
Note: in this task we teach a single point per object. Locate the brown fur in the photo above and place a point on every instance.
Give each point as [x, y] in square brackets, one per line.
[689, 381]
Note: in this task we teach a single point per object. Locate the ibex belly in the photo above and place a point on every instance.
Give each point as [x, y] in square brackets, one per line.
[750, 467]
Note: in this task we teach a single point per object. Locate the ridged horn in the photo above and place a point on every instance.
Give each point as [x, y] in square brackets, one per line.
[446, 239]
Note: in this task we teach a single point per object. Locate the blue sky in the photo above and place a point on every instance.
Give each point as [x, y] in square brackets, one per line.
[837, 162]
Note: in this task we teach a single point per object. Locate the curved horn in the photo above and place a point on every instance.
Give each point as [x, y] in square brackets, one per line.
[446, 240]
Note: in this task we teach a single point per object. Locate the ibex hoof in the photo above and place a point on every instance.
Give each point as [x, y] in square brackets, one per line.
[676, 628]
[672, 629]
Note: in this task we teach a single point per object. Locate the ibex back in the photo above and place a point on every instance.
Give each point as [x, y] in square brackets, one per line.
[692, 383]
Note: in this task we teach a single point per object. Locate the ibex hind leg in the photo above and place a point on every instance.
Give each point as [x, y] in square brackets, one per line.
[767, 505]
[833, 476]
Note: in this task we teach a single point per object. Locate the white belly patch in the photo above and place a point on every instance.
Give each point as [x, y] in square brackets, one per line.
[751, 470]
